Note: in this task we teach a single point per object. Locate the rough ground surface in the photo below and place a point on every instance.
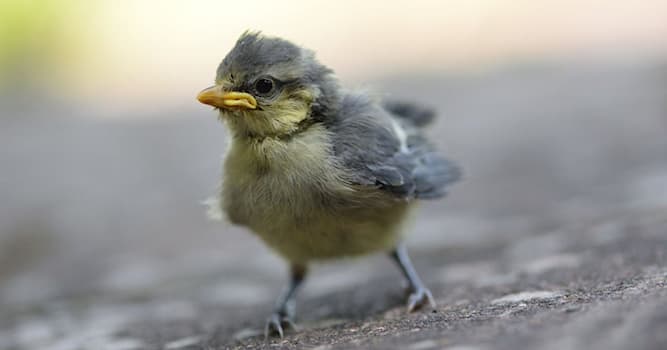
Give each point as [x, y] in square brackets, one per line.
[556, 239]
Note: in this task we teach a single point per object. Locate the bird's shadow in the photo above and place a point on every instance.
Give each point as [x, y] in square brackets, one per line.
[354, 304]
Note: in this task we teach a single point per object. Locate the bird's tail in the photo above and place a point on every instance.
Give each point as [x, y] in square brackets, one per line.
[410, 112]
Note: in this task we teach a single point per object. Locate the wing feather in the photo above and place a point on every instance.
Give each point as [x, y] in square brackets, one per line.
[387, 152]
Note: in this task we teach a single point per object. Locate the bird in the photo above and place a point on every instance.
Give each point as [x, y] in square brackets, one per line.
[316, 171]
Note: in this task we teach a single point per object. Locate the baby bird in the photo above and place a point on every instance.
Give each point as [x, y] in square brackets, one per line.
[315, 171]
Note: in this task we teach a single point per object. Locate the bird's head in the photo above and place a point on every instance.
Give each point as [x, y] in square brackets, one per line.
[269, 87]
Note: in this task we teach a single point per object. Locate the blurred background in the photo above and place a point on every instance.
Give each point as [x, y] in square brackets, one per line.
[556, 110]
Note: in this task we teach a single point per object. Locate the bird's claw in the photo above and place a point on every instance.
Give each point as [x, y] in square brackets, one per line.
[277, 323]
[420, 298]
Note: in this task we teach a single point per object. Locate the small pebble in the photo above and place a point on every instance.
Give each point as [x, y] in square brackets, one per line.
[181, 343]
[423, 345]
[526, 296]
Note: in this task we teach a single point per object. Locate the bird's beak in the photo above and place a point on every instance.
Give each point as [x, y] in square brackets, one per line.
[216, 97]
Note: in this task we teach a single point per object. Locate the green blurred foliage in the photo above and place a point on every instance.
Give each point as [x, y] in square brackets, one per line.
[37, 37]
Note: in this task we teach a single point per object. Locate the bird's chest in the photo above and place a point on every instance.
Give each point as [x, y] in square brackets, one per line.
[277, 183]
[259, 199]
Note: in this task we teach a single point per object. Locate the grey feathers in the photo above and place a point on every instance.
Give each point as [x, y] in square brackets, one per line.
[387, 150]
[418, 116]
[254, 54]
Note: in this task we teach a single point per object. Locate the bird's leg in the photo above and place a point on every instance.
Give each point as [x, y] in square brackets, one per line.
[283, 314]
[419, 294]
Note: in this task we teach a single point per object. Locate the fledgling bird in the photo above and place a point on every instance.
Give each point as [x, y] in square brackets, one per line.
[315, 171]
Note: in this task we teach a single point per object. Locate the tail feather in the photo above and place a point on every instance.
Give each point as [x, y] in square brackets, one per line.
[417, 115]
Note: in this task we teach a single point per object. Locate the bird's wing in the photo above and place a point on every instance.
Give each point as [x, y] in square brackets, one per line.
[383, 152]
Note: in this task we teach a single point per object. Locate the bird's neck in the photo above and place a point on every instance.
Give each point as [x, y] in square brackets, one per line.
[304, 149]
[252, 134]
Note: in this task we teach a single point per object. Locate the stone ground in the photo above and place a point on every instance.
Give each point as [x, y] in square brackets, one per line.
[556, 239]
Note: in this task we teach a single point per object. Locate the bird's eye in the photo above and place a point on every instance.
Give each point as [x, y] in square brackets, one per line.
[264, 86]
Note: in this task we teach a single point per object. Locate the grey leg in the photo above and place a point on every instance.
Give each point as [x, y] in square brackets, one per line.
[283, 314]
[419, 294]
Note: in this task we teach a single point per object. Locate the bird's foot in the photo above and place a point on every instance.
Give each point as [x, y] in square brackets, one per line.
[419, 298]
[277, 323]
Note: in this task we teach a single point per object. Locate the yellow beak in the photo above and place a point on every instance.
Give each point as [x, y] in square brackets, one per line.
[216, 97]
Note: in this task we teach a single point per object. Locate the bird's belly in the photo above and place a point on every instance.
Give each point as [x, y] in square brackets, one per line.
[331, 237]
[301, 228]
[324, 236]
